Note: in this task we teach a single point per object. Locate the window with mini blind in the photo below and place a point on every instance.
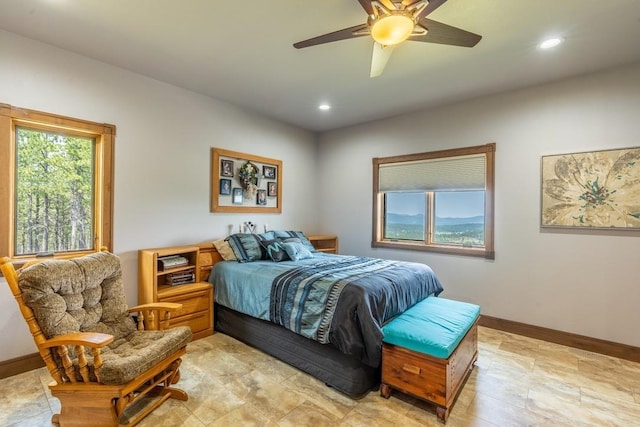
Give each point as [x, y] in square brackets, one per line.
[440, 201]
[56, 195]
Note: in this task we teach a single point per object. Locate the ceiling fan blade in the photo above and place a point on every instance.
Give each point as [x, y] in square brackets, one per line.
[366, 5]
[347, 33]
[433, 5]
[440, 33]
[379, 59]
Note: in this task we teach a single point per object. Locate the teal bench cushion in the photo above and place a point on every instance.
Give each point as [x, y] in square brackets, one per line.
[434, 326]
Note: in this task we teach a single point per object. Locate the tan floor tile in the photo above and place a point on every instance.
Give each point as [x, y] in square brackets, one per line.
[22, 396]
[327, 398]
[308, 414]
[171, 412]
[245, 416]
[270, 396]
[618, 412]
[373, 413]
[502, 412]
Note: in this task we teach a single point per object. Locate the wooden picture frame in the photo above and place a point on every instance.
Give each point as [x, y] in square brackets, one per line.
[225, 187]
[591, 190]
[261, 198]
[268, 172]
[237, 196]
[226, 168]
[222, 160]
[272, 188]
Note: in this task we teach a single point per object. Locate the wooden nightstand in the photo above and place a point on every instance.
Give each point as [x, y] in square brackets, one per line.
[195, 296]
[324, 243]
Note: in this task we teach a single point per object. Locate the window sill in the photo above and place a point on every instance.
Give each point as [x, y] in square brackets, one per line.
[452, 250]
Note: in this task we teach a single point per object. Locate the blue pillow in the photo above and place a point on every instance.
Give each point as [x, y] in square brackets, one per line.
[246, 247]
[295, 234]
[297, 251]
[274, 250]
[268, 235]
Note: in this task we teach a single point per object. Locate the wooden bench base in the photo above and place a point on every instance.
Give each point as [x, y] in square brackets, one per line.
[435, 380]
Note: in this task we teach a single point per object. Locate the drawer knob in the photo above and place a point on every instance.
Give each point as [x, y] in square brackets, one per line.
[411, 369]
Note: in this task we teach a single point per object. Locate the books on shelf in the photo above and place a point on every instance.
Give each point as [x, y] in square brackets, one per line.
[180, 278]
[172, 261]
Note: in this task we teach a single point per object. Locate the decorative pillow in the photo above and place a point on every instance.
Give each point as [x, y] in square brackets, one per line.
[268, 235]
[274, 250]
[297, 251]
[225, 251]
[297, 234]
[245, 246]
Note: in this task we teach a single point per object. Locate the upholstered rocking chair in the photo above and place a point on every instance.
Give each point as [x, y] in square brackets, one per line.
[101, 362]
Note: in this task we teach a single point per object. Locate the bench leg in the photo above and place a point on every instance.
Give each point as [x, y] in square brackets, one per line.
[385, 390]
[442, 413]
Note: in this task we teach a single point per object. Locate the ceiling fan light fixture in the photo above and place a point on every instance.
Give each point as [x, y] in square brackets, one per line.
[390, 30]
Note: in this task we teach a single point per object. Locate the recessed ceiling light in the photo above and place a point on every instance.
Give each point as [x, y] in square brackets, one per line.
[549, 43]
[324, 107]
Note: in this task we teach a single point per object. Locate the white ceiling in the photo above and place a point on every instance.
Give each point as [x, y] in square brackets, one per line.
[241, 51]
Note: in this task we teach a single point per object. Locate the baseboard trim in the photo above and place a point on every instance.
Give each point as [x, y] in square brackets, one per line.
[18, 365]
[609, 348]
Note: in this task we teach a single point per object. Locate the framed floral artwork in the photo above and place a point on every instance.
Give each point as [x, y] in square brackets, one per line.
[595, 189]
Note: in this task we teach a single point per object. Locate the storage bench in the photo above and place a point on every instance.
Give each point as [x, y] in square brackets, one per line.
[429, 350]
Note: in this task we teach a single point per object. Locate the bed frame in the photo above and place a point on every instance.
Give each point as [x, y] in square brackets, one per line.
[322, 361]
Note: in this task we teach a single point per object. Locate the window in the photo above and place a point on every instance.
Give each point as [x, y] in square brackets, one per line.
[440, 201]
[56, 189]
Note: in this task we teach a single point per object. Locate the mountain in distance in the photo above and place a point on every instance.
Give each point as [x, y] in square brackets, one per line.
[393, 218]
[479, 219]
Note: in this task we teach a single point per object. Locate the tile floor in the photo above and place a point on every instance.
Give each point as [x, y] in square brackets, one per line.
[517, 381]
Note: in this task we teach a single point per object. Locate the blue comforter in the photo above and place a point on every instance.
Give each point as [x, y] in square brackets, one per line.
[342, 300]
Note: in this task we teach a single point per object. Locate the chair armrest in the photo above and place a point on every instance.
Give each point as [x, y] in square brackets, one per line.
[155, 315]
[79, 340]
[86, 339]
[168, 306]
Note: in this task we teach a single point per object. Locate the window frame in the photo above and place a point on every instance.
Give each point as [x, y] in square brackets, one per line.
[377, 234]
[104, 136]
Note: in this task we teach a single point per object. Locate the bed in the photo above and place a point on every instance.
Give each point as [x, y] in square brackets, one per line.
[321, 313]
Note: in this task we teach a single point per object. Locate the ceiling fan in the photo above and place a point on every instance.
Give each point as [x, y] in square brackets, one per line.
[391, 22]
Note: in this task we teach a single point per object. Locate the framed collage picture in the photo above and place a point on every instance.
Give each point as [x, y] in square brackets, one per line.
[243, 182]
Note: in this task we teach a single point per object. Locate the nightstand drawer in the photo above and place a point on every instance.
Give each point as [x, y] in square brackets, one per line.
[191, 302]
[198, 322]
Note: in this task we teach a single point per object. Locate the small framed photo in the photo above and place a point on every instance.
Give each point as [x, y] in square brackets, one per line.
[225, 187]
[226, 168]
[262, 197]
[236, 199]
[269, 172]
[272, 189]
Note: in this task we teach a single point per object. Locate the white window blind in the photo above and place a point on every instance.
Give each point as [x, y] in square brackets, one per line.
[449, 173]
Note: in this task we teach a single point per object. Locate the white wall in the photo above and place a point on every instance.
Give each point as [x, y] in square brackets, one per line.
[162, 155]
[581, 282]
